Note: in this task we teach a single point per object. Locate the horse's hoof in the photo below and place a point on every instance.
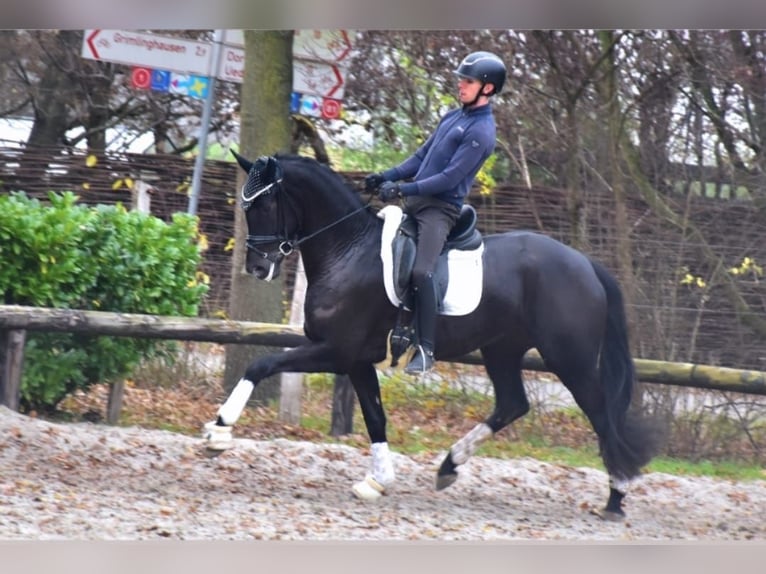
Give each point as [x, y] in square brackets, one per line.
[217, 437]
[608, 515]
[445, 480]
[368, 489]
[210, 453]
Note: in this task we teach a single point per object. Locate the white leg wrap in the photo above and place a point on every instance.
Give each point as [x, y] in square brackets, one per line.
[231, 410]
[463, 449]
[217, 437]
[368, 489]
[382, 465]
[620, 485]
[382, 476]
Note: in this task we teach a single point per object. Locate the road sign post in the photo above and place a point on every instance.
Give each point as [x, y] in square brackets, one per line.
[199, 163]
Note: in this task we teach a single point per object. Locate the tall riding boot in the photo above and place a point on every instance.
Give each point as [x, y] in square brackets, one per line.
[425, 327]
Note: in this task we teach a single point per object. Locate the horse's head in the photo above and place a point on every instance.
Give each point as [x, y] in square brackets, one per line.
[271, 219]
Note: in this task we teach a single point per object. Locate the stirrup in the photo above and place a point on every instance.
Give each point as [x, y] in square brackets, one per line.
[421, 363]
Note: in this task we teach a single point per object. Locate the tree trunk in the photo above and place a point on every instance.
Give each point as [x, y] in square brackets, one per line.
[265, 129]
[575, 197]
[50, 100]
[609, 93]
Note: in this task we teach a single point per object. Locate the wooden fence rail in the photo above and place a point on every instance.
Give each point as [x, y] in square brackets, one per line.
[16, 319]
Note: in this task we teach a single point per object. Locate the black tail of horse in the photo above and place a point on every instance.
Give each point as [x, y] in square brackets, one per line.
[630, 440]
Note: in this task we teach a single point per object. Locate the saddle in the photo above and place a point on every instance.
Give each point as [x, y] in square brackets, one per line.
[462, 253]
[463, 237]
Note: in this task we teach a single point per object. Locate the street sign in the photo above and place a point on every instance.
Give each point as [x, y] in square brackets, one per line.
[189, 85]
[234, 38]
[148, 50]
[141, 78]
[318, 79]
[232, 64]
[330, 109]
[320, 57]
[328, 46]
[311, 106]
[160, 80]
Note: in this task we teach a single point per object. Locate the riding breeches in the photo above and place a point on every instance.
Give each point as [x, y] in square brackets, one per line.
[435, 219]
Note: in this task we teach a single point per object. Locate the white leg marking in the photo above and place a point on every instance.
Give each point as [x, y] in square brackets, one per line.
[231, 410]
[463, 449]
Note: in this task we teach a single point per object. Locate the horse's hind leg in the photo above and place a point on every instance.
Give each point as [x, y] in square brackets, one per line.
[504, 370]
[586, 391]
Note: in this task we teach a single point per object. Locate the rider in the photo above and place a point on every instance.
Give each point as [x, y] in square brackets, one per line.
[442, 171]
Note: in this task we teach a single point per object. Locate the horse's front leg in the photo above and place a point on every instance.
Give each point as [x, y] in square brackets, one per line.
[365, 381]
[308, 358]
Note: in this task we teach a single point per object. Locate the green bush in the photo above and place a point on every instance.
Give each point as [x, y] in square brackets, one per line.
[64, 255]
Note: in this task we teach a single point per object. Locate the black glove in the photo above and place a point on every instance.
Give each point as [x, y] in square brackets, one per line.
[388, 191]
[373, 181]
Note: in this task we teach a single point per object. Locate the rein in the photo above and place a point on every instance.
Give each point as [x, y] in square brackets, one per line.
[331, 225]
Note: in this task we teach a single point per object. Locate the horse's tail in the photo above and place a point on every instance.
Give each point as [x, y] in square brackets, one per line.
[631, 440]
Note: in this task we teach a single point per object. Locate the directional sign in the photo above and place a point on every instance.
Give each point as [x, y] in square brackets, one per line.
[318, 79]
[329, 46]
[234, 38]
[148, 50]
[232, 64]
[320, 57]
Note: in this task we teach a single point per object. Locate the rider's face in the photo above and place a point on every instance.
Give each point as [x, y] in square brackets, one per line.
[467, 89]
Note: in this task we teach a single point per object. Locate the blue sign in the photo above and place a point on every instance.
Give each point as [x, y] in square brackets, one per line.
[188, 85]
[295, 103]
[198, 87]
[160, 80]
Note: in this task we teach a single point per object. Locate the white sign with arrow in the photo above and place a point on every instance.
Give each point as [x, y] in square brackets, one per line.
[148, 50]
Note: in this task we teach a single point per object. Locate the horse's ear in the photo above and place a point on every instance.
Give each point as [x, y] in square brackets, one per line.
[243, 163]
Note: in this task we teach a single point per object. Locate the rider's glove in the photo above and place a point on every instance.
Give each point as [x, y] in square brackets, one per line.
[373, 181]
[389, 191]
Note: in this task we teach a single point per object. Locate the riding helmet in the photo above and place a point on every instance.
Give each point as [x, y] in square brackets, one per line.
[485, 67]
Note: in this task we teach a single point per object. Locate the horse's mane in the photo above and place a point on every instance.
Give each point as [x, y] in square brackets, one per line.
[323, 174]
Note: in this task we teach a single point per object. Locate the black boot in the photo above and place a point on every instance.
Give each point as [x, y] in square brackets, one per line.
[425, 327]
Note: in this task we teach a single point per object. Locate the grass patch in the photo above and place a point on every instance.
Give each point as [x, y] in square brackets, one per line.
[732, 470]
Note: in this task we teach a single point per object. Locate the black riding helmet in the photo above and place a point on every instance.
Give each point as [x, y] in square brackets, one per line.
[485, 67]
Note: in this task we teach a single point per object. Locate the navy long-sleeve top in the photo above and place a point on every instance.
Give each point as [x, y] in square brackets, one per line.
[447, 163]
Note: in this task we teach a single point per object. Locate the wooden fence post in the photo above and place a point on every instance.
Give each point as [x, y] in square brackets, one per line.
[291, 384]
[11, 366]
[142, 202]
[114, 402]
[343, 402]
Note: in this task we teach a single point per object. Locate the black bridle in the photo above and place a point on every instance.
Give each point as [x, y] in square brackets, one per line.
[286, 244]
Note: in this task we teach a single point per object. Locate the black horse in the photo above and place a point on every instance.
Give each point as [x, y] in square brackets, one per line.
[537, 293]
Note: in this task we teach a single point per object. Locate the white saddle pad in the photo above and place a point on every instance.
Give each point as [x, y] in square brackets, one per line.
[465, 268]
